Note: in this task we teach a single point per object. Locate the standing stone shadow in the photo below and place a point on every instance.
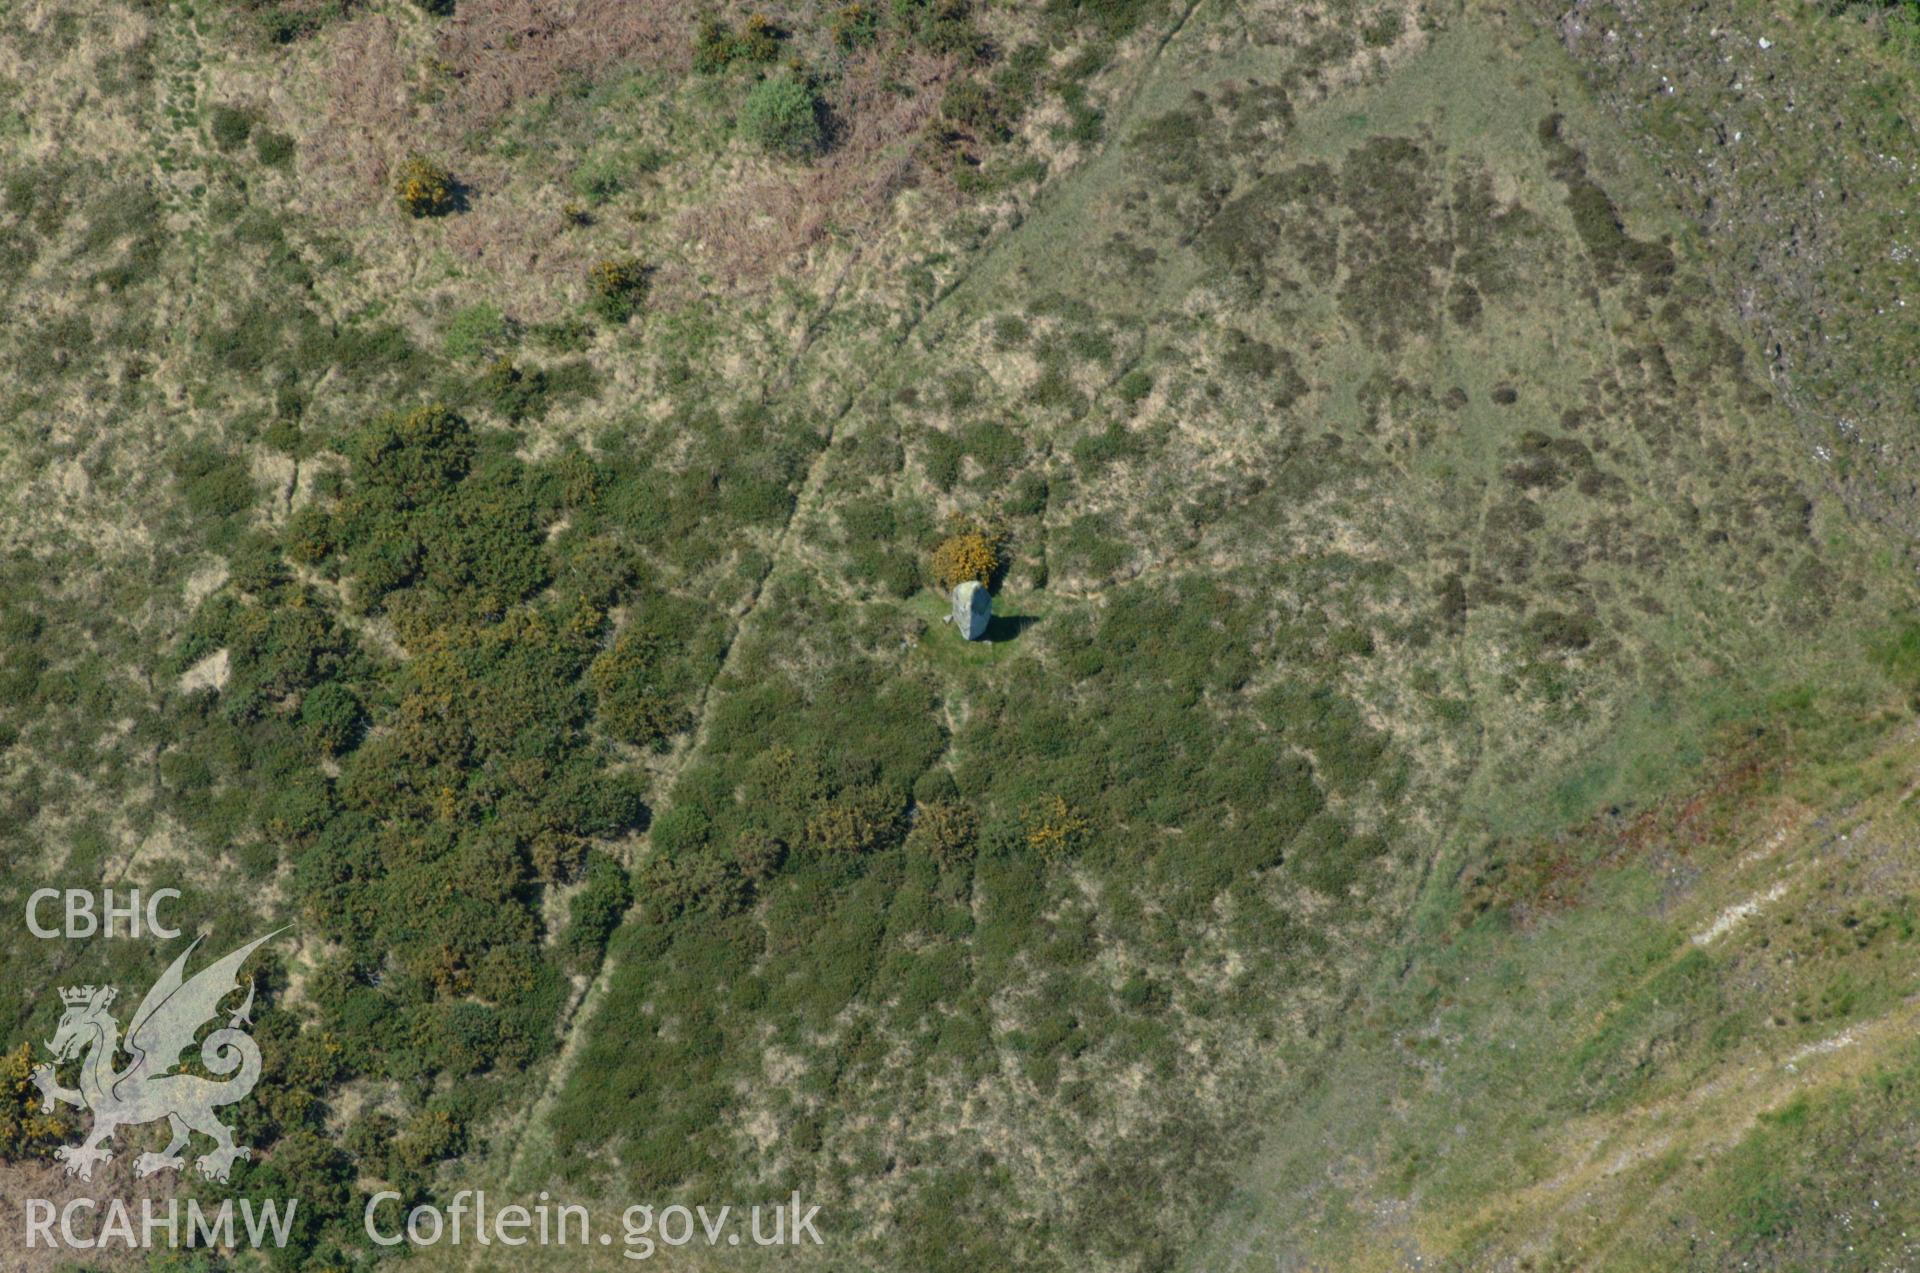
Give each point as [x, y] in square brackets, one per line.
[1008, 627]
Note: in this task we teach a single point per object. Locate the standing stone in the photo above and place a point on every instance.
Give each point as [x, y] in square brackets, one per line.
[972, 607]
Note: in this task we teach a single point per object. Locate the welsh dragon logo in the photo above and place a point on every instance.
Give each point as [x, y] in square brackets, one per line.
[149, 1088]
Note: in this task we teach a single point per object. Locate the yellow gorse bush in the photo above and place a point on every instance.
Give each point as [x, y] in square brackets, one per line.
[424, 188]
[970, 555]
[618, 286]
[26, 1128]
[1055, 828]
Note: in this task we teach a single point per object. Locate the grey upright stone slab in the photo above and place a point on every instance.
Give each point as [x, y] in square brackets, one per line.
[972, 607]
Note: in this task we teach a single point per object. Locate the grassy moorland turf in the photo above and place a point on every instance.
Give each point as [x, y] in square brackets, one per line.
[1650, 1035]
[1275, 530]
[1420, 608]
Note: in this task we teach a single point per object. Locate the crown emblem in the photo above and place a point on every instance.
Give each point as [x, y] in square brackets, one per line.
[79, 996]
